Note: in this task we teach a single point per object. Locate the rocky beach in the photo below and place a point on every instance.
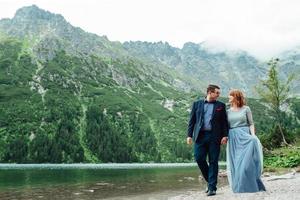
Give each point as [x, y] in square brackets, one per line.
[279, 187]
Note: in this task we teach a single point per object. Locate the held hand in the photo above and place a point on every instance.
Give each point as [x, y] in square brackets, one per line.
[189, 140]
[224, 140]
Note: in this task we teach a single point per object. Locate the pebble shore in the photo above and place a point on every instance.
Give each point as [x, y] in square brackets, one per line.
[280, 187]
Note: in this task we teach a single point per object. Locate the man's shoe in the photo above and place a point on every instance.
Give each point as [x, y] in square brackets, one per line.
[211, 193]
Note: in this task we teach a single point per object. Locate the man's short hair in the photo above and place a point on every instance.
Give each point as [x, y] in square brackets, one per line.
[211, 88]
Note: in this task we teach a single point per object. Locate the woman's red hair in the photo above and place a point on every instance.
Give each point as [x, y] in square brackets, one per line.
[238, 98]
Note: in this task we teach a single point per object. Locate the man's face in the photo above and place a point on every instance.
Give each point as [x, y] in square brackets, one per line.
[214, 95]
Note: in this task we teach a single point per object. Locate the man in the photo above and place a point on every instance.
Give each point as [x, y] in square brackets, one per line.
[208, 128]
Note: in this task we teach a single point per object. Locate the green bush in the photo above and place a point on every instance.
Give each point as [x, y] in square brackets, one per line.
[274, 140]
[283, 157]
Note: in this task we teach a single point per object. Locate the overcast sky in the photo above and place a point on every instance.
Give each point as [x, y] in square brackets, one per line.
[261, 27]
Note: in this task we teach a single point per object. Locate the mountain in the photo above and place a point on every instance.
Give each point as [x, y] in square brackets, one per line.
[290, 64]
[194, 65]
[47, 31]
[68, 96]
[206, 64]
[71, 96]
[230, 69]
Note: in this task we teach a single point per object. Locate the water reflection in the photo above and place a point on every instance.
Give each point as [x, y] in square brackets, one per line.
[98, 183]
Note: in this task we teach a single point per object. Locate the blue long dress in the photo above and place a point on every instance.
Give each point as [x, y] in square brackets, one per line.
[244, 153]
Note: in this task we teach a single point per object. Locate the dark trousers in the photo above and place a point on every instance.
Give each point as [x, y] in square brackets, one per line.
[207, 144]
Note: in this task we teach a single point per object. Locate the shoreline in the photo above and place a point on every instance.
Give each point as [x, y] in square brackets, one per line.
[8, 166]
[284, 186]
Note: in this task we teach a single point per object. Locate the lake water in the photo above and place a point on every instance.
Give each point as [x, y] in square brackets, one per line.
[98, 181]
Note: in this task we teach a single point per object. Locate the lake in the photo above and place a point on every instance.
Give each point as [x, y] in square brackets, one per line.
[99, 181]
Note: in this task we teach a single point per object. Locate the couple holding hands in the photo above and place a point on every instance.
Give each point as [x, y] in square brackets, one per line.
[211, 125]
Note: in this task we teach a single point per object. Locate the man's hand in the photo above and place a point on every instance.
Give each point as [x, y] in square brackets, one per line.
[189, 140]
[224, 140]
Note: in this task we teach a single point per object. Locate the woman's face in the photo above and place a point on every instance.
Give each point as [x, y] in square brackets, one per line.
[230, 98]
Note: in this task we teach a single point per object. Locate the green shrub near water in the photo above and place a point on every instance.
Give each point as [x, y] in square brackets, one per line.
[283, 157]
[272, 139]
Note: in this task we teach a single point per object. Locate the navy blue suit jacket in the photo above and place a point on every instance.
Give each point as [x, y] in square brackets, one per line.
[219, 123]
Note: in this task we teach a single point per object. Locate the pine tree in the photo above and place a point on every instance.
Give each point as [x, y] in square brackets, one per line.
[276, 94]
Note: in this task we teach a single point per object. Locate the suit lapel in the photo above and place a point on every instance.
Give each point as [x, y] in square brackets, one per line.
[200, 109]
[214, 109]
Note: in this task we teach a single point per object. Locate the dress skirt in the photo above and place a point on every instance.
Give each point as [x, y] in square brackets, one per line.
[244, 161]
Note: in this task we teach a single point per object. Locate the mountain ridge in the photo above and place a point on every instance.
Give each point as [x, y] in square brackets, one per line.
[68, 96]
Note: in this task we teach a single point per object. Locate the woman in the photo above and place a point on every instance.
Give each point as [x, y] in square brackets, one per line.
[244, 151]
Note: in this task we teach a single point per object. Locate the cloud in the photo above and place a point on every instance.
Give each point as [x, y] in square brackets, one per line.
[262, 27]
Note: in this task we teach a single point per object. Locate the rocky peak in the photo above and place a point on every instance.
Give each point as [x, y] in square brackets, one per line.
[193, 49]
[32, 22]
[34, 13]
[49, 32]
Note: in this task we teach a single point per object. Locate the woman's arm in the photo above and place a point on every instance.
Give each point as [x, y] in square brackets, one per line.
[250, 121]
[252, 129]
